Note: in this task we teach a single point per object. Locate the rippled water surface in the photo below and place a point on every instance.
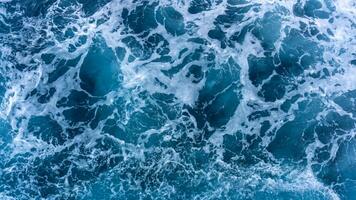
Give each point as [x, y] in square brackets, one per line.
[177, 99]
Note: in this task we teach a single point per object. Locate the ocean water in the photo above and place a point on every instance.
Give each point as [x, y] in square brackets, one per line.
[178, 100]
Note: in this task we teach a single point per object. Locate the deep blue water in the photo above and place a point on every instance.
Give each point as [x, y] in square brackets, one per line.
[178, 100]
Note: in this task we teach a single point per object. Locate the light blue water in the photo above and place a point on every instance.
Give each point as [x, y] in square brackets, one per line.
[175, 99]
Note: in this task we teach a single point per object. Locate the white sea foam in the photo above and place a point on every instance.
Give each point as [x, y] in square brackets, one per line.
[142, 75]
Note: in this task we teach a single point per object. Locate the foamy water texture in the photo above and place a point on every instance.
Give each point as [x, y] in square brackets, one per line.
[175, 99]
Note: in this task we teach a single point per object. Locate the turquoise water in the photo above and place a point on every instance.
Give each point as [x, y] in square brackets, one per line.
[175, 99]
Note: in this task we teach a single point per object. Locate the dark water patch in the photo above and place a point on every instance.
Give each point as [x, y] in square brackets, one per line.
[47, 130]
[232, 15]
[61, 66]
[100, 72]
[289, 102]
[219, 97]
[347, 101]
[295, 47]
[90, 7]
[172, 20]
[338, 171]
[292, 139]
[313, 8]
[260, 69]
[37, 8]
[198, 6]
[195, 72]
[79, 114]
[233, 145]
[142, 18]
[268, 30]
[273, 89]
[77, 98]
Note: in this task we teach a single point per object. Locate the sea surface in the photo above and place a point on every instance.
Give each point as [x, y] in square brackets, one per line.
[178, 99]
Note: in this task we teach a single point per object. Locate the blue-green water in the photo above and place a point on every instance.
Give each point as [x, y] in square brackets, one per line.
[175, 99]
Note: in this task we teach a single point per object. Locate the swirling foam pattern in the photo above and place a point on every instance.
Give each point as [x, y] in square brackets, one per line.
[176, 99]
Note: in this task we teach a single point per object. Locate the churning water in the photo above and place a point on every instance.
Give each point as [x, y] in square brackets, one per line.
[176, 99]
